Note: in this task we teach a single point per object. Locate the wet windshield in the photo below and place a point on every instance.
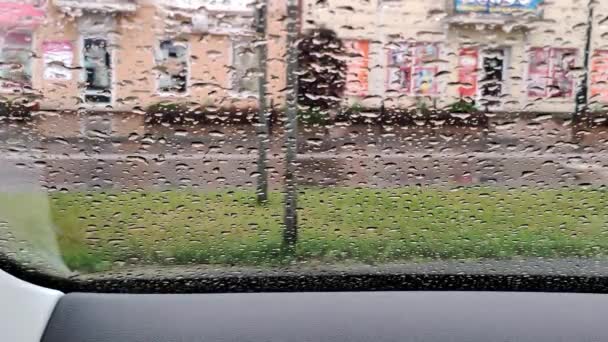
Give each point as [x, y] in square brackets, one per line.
[160, 137]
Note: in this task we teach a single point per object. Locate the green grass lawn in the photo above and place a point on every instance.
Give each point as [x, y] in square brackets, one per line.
[100, 230]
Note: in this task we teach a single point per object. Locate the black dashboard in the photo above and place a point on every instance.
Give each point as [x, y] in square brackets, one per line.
[330, 316]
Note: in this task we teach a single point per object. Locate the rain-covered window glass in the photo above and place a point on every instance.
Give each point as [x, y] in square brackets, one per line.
[179, 137]
[172, 62]
[15, 59]
[97, 65]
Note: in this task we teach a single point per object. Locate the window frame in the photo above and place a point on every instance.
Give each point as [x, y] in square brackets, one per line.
[7, 87]
[235, 39]
[506, 75]
[83, 74]
[157, 90]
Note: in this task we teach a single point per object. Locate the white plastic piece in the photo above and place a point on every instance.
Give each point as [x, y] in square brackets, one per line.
[25, 309]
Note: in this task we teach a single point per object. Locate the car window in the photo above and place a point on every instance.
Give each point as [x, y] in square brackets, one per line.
[162, 138]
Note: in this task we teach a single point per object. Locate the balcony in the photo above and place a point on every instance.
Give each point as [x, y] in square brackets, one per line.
[493, 13]
[110, 6]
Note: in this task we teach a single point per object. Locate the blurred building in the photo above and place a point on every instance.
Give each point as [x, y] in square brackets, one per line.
[507, 55]
[120, 55]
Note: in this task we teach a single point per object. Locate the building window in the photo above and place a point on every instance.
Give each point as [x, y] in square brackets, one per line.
[16, 60]
[172, 65]
[357, 67]
[549, 72]
[493, 78]
[244, 78]
[493, 69]
[411, 70]
[482, 73]
[98, 71]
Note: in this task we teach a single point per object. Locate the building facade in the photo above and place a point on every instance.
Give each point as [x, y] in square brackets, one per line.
[507, 55]
[124, 55]
[112, 55]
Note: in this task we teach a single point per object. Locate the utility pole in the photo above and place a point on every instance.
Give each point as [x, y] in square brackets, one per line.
[290, 233]
[582, 100]
[262, 125]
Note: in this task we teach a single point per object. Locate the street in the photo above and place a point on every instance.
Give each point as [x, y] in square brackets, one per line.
[518, 153]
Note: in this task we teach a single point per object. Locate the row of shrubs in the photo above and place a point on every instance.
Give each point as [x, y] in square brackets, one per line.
[17, 109]
[189, 113]
[459, 114]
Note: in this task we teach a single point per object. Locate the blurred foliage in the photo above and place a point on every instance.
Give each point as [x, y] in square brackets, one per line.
[322, 74]
[463, 106]
[419, 116]
[352, 114]
[422, 107]
[314, 117]
[17, 108]
[595, 115]
[169, 112]
[194, 113]
[598, 108]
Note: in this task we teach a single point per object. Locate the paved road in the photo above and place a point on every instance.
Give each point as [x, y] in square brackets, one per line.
[323, 168]
[547, 153]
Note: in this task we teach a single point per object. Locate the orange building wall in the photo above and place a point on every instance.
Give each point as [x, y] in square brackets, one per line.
[136, 35]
